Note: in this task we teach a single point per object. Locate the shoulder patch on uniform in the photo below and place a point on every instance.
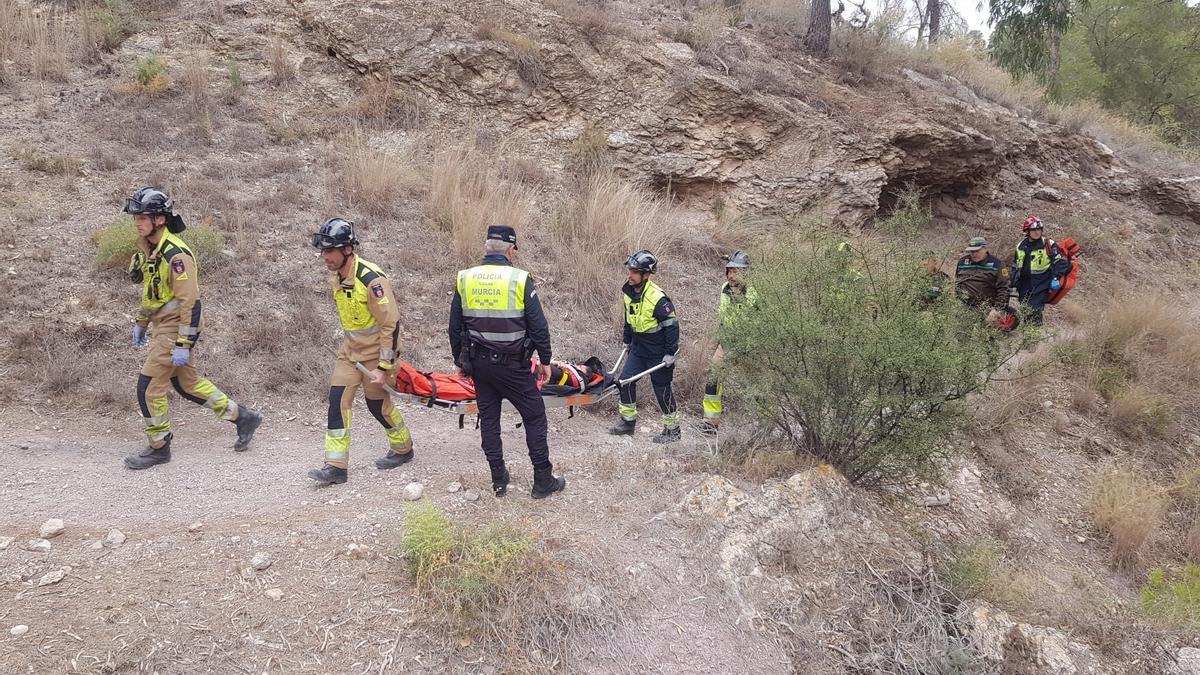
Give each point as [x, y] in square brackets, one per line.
[177, 266]
[667, 308]
[377, 290]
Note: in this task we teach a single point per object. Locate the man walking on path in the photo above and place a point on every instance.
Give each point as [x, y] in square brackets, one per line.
[169, 322]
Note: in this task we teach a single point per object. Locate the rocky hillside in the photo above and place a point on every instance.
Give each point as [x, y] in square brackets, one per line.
[422, 121]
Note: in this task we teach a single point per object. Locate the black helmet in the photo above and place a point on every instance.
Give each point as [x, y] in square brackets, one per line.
[152, 201]
[737, 259]
[643, 261]
[335, 233]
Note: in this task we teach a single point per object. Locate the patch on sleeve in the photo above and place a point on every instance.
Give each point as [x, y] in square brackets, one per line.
[177, 266]
[668, 309]
[1004, 272]
[377, 290]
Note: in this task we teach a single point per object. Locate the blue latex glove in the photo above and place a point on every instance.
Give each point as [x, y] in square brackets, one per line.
[139, 336]
[1055, 284]
[669, 360]
[181, 356]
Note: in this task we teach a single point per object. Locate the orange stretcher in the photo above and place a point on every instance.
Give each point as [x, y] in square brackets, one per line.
[454, 393]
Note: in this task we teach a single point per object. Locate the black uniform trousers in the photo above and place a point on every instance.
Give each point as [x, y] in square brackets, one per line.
[509, 379]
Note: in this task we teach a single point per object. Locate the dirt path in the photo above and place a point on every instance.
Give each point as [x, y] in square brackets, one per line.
[173, 599]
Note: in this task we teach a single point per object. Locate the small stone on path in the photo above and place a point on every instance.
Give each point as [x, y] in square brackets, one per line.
[18, 630]
[52, 528]
[413, 491]
[38, 546]
[274, 593]
[454, 487]
[114, 538]
[52, 578]
[261, 561]
[471, 496]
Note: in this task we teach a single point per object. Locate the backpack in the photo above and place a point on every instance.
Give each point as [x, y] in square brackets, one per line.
[1070, 251]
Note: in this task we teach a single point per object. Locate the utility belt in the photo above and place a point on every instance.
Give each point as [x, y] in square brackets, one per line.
[480, 352]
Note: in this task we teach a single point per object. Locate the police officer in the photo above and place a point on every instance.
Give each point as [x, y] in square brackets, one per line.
[1038, 266]
[496, 323]
[370, 319]
[170, 313]
[651, 337]
[734, 292]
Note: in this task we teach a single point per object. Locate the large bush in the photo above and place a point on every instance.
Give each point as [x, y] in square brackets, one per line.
[852, 357]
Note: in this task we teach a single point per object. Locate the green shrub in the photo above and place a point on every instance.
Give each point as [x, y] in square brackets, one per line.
[1174, 597]
[844, 353]
[974, 570]
[115, 22]
[150, 73]
[429, 539]
[117, 242]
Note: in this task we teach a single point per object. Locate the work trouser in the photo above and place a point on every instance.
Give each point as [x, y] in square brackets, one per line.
[1036, 299]
[509, 378]
[713, 388]
[661, 379]
[343, 386]
[158, 375]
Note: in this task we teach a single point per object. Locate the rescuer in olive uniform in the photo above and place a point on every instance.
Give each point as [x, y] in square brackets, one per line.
[170, 313]
[370, 319]
[734, 292]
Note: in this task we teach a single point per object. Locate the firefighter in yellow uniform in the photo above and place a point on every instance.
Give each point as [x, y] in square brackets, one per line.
[733, 293]
[371, 320]
[170, 312]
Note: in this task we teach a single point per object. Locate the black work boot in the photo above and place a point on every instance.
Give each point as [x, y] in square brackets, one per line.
[394, 459]
[623, 428]
[328, 475]
[150, 456]
[500, 481]
[668, 435]
[247, 422]
[545, 483]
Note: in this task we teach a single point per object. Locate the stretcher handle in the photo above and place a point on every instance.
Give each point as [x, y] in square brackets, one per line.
[620, 359]
[635, 378]
[363, 369]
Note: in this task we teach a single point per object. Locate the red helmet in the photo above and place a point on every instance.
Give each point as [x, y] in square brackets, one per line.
[1031, 223]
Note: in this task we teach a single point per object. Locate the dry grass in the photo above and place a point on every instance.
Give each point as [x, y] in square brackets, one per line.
[282, 68]
[606, 220]
[525, 51]
[592, 19]
[32, 159]
[1192, 542]
[588, 154]
[467, 193]
[789, 16]
[48, 48]
[385, 105]
[956, 58]
[375, 180]
[1129, 510]
[1143, 355]
[195, 80]
[704, 27]
[1136, 412]
[1013, 474]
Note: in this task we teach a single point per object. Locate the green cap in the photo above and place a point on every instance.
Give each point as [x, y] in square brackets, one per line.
[976, 244]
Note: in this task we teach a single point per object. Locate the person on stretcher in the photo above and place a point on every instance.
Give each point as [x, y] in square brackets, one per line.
[565, 379]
